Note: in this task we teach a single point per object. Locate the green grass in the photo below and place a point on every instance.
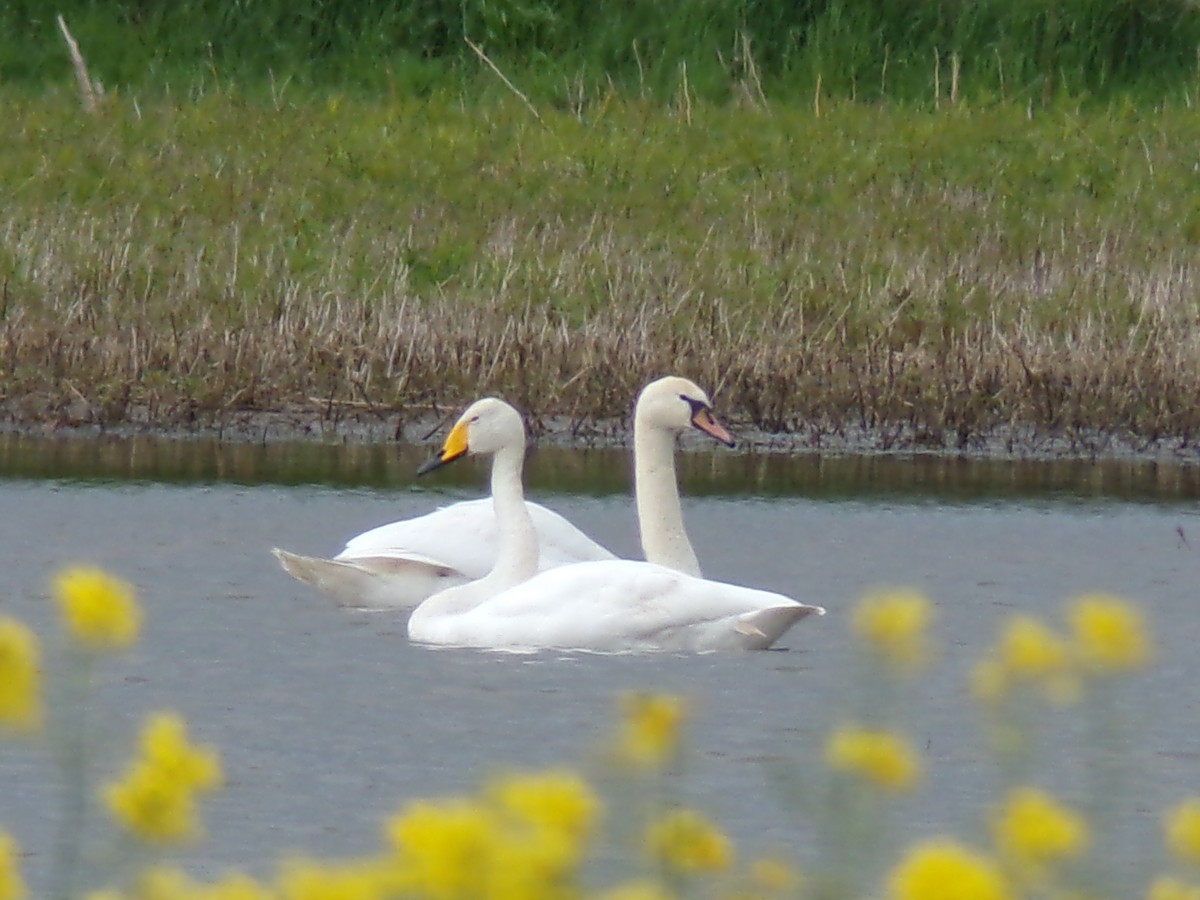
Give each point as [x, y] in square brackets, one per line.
[939, 277]
[1017, 50]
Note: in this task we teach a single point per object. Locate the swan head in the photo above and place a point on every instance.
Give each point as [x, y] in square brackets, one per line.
[486, 427]
[677, 404]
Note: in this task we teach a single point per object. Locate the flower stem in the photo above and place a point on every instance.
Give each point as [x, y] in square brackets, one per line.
[73, 764]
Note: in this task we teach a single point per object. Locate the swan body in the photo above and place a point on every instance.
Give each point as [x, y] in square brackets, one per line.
[611, 606]
[400, 564]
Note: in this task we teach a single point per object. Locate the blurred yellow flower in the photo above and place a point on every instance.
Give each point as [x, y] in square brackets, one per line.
[99, 610]
[557, 801]
[1109, 633]
[237, 886]
[1029, 651]
[526, 864]
[443, 848]
[166, 882]
[942, 869]
[772, 876]
[1029, 648]
[649, 731]
[165, 746]
[162, 882]
[156, 799]
[522, 839]
[990, 681]
[308, 880]
[893, 624]
[1167, 888]
[11, 886]
[151, 806]
[1181, 830]
[1033, 829]
[637, 890]
[685, 842]
[20, 678]
[880, 757]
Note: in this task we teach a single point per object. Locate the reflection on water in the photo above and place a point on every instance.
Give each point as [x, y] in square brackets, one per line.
[597, 472]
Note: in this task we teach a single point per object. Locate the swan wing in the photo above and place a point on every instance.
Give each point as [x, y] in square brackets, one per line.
[464, 537]
[370, 583]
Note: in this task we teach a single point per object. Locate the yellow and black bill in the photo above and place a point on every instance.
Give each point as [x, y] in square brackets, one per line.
[454, 446]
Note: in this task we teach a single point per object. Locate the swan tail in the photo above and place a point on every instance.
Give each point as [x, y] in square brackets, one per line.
[762, 628]
[377, 584]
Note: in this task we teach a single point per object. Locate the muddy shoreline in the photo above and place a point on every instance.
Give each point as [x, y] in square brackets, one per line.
[357, 425]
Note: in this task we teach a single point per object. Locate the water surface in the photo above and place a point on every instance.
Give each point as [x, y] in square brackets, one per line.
[329, 720]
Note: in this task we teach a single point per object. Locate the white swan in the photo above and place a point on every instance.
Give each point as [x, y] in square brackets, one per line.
[616, 605]
[396, 566]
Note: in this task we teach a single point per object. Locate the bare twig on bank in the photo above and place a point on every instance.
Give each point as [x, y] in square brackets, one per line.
[512, 87]
[90, 92]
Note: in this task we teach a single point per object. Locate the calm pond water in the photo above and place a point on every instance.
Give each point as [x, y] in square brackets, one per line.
[328, 720]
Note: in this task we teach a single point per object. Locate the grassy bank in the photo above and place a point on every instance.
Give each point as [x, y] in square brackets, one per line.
[937, 277]
[1018, 52]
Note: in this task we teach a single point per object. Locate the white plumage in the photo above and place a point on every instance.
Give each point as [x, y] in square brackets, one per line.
[613, 606]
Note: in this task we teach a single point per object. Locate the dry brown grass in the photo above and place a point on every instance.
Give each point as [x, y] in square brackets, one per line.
[107, 344]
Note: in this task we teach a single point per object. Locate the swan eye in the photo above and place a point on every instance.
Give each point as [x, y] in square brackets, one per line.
[474, 419]
[696, 405]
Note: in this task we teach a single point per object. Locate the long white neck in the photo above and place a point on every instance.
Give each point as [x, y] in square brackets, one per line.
[517, 553]
[660, 516]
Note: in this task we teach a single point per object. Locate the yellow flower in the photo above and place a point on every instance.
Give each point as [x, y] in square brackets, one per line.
[880, 757]
[163, 882]
[527, 864]
[20, 701]
[152, 806]
[156, 799]
[11, 887]
[1033, 829]
[306, 880]
[942, 869]
[893, 624]
[637, 890]
[1166, 888]
[523, 839]
[559, 802]
[649, 733]
[773, 876]
[1181, 830]
[990, 681]
[237, 887]
[1029, 651]
[99, 610]
[165, 747]
[1109, 633]
[443, 848]
[687, 843]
